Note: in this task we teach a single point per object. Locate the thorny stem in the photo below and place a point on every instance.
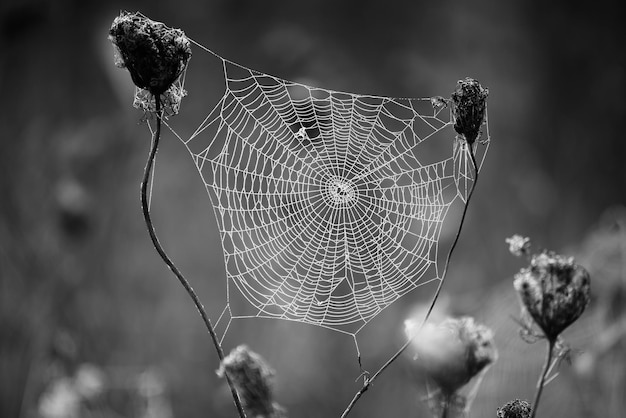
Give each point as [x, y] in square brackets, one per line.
[368, 382]
[157, 245]
[542, 378]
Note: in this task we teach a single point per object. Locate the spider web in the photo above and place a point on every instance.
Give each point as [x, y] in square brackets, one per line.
[329, 204]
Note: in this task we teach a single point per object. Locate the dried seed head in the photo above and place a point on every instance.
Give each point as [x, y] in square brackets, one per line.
[455, 351]
[554, 291]
[515, 409]
[252, 377]
[469, 103]
[518, 245]
[154, 54]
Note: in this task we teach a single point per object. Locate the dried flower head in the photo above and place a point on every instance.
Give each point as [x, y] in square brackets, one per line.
[515, 409]
[455, 351]
[89, 381]
[554, 291]
[155, 56]
[518, 245]
[469, 104]
[252, 377]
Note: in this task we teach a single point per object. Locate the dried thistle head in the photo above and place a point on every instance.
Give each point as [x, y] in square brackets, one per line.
[469, 104]
[554, 291]
[252, 377]
[154, 54]
[455, 351]
[515, 409]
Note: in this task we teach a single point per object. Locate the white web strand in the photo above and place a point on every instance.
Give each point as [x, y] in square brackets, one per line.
[329, 204]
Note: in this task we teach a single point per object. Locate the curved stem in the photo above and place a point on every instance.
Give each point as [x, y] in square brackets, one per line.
[369, 381]
[542, 378]
[456, 237]
[157, 245]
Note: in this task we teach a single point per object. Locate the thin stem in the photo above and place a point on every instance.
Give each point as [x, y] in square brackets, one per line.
[157, 245]
[542, 378]
[446, 404]
[456, 238]
[369, 381]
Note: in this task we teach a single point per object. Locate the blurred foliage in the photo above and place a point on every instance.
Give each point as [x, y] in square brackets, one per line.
[79, 282]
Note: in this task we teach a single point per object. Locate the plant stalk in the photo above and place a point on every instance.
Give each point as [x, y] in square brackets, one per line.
[157, 245]
[542, 378]
[446, 405]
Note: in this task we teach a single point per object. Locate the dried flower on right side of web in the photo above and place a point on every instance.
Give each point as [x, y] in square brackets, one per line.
[252, 377]
[554, 291]
[469, 106]
[515, 409]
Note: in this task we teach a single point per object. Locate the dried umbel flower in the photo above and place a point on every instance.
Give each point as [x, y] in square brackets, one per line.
[154, 54]
[252, 377]
[515, 409]
[518, 245]
[455, 351]
[469, 103]
[554, 291]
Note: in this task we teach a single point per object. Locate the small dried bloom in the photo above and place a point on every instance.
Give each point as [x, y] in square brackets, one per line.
[455, 351]
[89, 381]
[469, 103]
[252, 377]
[554, 291]
[515, 409]
[518, 245]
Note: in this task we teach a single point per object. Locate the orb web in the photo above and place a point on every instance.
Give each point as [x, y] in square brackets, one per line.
[329, 204]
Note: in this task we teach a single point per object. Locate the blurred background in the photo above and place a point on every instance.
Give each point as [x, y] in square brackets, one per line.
[93, 324]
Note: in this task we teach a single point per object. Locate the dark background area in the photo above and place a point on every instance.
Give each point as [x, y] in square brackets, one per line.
[81, 284]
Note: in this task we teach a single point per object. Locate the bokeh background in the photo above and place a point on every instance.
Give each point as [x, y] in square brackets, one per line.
[90, 316]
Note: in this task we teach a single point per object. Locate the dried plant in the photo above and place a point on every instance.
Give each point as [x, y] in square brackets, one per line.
[553, 292]
[515, 409]
[252, 376]
[450, 355]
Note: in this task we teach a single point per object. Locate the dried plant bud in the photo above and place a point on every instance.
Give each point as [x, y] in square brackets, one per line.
[455, 351]
[515, 409]
[469, 103]
[518, 245]
[554, 291]
[154, 54]
[252, 377]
